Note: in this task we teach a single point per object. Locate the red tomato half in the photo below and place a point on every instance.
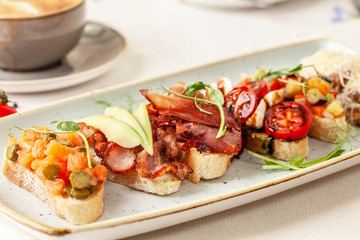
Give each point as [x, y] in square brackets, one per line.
[288, 121]
[260, 88]
[6, 110]
[242, 101]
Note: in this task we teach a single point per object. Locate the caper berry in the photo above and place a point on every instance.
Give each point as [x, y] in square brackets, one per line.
[11, 152]
[80, 179]
[67, 189]
[81, 149]
[48, 136]
[79, 193]
[51, 171]
[66, 143]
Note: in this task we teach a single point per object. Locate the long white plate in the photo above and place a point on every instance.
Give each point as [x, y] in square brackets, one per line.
[129, 212]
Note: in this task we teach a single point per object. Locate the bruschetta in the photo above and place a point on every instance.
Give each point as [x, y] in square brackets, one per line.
[55, 167]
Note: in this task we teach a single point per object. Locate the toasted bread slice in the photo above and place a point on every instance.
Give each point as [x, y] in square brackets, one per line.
[326, 129]
[163, 185]
[280, 149]
[206, 165]
[75, 211]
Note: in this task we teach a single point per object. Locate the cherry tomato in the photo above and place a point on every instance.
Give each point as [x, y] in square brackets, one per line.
[288, 121]
[6, 110]
[260, 88]
[242, 101]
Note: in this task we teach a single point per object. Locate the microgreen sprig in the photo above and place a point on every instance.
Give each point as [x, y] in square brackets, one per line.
[283, 72]
[298, 162]
[64, 127]
[261, 73]
[216, 98]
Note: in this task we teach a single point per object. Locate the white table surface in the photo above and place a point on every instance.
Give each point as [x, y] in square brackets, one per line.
[164, 36]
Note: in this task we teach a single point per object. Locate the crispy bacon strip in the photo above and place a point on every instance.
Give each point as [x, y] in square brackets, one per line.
[92, 134]
[166, 158]
[187, 110]
[157, 165]
[202, 134]
[118, 159]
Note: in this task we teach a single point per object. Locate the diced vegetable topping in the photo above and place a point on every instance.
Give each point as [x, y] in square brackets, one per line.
[58, 161]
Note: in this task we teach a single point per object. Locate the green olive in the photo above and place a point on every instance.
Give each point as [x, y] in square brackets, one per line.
[66, 143]
[48, 136]
[51, 171]
[67, 189]
[81, 149]
[79, 194]
[80, 179]
[11, 152]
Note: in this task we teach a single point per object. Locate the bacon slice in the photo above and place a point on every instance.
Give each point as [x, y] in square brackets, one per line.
[118, 159]
[166, 157]
[92, 134]
[202, 134]
[187, 110]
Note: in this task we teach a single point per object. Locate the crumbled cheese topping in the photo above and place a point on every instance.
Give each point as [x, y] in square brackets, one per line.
[346, 66]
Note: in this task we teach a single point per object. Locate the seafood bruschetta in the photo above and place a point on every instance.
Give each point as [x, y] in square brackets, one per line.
[57, 168]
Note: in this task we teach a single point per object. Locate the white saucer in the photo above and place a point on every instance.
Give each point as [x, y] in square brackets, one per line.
[96, 52]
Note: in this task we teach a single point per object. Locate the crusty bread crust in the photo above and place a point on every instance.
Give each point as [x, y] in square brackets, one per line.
[163, 185]
[75, 211]
[326, 129]
[206, 165]
[280, 149]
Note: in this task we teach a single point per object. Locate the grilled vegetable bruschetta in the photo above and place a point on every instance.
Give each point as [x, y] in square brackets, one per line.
[272, 125]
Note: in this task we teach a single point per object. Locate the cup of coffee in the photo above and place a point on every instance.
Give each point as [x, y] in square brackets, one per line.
[36, 34]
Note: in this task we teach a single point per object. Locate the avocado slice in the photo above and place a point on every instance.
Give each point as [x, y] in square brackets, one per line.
[114, 130]
[123, 115]
[142, 116]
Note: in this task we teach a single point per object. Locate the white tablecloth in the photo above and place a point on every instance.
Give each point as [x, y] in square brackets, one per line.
[164, 36]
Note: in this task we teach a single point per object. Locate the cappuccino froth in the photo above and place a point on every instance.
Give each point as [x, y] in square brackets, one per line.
[33, 8]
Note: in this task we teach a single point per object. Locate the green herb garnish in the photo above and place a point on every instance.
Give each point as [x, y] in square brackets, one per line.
[298, 162]
[283, 72]
[216, 98]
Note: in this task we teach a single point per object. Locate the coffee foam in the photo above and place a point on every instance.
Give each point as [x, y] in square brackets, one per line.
[33, 8]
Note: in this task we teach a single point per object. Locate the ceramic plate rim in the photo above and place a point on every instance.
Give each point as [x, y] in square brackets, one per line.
[37, 226]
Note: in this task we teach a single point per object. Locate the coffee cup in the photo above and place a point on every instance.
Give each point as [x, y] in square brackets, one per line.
[36, 34]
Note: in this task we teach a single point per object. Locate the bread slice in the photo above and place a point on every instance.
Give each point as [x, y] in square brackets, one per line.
[206, 165]
[326, 129]
[281, 149]
[163, 185]
[75, 211]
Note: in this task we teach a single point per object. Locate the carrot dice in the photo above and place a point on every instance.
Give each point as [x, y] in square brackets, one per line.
[59, 150]
[100, 173]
